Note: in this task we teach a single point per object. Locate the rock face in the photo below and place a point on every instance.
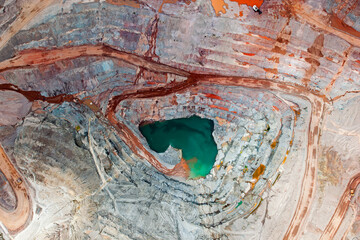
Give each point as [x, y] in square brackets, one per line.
[14, 107]
[7, 197]
[171, 156]
[282, 87]
[70, 158]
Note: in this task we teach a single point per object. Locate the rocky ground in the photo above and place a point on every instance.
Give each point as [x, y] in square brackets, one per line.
[78, 77]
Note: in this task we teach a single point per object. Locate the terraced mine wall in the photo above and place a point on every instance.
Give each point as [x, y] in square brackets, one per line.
[79, 78]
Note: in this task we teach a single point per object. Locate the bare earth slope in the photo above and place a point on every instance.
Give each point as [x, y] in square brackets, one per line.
[282, 87]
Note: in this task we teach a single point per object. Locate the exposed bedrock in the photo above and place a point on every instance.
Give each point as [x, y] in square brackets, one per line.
[77, 79]
[52, 151]
[102, 183]
[89, 74]
[13, 107]
[251, 128]
[7, 195]
[273, 47]
[74, 150]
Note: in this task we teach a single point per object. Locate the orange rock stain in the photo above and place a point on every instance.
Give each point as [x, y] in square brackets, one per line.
[220, 6]
[259, 171]
[274, 59]
[166, 1]
[218, 107]
[221, 121]
[210, 95]
[264, 37]
[271, 70]
[130, 3]
[250, 3]
[273, 144]
[249, 54]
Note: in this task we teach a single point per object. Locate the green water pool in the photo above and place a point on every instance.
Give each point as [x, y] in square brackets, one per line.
[192, 135]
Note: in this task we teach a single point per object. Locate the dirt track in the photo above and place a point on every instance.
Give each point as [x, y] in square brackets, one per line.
[317, 110]
[341, 209]
[16, 220]
[330, 24]
[26, 15]
[43, 57]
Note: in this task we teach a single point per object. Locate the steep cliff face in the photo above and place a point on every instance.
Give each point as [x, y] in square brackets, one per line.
[282, 88]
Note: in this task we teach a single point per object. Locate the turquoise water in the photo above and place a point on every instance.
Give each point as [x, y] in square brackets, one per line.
[192, 135]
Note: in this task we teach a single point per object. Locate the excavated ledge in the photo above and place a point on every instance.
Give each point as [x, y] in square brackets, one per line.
[78, 78]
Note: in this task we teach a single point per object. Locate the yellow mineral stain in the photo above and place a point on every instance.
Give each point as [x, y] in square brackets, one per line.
[276, 141]
[273, 144]
[258, 172]
[219, 165]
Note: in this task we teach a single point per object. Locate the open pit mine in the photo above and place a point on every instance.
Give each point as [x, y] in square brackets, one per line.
[180, 119]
